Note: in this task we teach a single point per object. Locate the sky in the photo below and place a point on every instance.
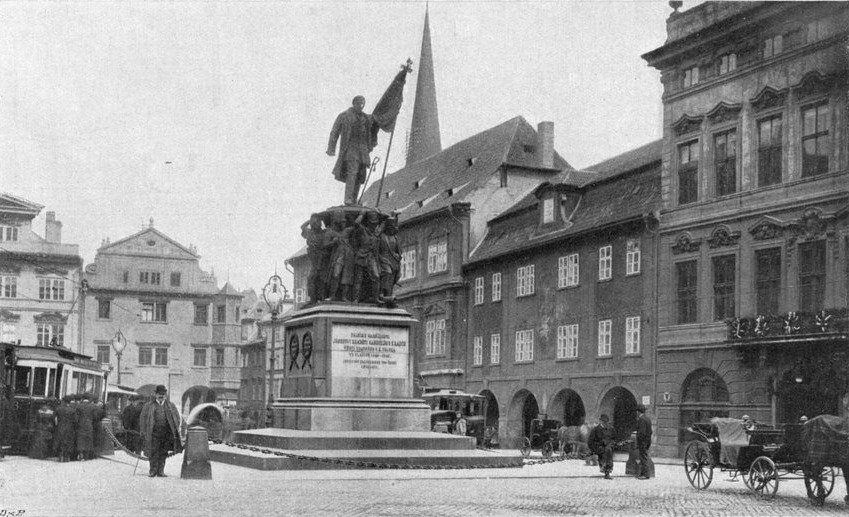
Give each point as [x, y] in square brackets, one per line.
[212, 118]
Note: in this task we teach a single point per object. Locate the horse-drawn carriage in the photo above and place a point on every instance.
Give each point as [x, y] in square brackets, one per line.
[764, 455]
[543, 436]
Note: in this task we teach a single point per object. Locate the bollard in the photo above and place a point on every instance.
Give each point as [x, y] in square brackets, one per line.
[196, 455]
[105, 447]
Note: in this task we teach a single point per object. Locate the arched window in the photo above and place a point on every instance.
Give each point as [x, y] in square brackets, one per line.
[704, 385]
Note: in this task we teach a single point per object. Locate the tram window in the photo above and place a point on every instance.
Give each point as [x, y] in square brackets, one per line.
[75, 383]
[22, 380]
[51, 384]
[39, 382]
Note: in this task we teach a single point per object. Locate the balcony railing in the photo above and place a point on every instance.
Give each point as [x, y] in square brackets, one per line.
[791, 324]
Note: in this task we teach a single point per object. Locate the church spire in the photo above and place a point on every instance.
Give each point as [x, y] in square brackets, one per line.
[424, 131]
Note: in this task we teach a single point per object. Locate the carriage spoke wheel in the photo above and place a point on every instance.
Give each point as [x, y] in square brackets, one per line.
[525, 448]
[547, 449]
[763, 477]
[698, 465]
[819, 482]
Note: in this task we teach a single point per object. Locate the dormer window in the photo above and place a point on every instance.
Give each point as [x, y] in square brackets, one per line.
[773, 46]
[418, 183]
[548, 210]
[530, 149]
[387, 195]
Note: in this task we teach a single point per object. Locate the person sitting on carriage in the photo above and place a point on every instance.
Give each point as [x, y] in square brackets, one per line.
[749, 424]
[601, 443]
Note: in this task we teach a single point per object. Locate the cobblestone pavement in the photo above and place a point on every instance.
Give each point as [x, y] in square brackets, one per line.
[108, 487]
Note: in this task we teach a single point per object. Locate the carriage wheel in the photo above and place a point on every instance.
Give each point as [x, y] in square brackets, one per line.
[525, 448]
[763, 477]
[819, 484]
[547, 449]
[698, 465]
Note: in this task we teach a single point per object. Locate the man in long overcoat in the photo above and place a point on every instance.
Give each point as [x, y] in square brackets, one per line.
[643, 441]
[66, 430]
[130, 421]
[160, 429]
[86, 418]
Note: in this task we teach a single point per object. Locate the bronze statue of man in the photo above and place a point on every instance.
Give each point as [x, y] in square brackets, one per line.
[356, 132]
[357, 135]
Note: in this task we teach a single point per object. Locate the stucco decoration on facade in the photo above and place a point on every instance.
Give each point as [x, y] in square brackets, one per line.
[50, 317]
[687, 124]
[686, 244]
[9, 316]
[814, 83]
[768, 98]
[722, 236]
[811, 225]
[767, 228]
[724, 112]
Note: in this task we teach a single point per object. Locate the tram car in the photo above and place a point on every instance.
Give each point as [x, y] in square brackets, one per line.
[446, 403]
[35, 375]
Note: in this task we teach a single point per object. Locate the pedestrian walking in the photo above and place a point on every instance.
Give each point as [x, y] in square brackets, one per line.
[86, 414]
[66, 430]
[643, 441]
[160, 427]
[601, 443]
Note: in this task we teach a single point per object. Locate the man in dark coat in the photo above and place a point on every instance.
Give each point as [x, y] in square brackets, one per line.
[601, 443]
[643, 441]
[66, 430]
[160, 428]
[130, 421]
[86, 418]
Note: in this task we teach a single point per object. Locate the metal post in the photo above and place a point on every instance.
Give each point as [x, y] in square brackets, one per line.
[119, 367]
[271, 362]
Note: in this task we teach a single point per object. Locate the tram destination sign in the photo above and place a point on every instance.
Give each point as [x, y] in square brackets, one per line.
[370, 351]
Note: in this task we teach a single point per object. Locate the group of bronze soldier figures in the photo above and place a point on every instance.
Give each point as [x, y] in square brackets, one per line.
[352, 262]
[602, 441]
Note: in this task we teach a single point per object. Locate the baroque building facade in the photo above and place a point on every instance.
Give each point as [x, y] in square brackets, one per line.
[151, 289]
[39, 279]
[754, 232]
[560, 293]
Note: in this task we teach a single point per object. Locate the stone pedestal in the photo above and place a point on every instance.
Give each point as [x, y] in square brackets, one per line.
[349, 368]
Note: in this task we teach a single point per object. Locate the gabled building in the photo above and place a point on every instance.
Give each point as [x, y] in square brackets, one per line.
[443, 203]
[39, 279]
[754, 241]
[561, 294]
[151, 289]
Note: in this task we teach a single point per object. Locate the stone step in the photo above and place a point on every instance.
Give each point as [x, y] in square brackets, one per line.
[361, 459]
[291, 439]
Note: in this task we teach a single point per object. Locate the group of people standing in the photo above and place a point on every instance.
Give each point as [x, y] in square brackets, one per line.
[67, 429]
[602, 441]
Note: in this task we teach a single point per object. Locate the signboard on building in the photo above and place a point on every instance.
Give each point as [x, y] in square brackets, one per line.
[370, 351]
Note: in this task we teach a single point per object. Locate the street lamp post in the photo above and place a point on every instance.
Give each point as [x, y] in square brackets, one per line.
[274, 293]
[119, 343]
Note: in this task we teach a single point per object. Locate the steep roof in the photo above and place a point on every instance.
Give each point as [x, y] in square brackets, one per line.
[628, 161]
[628, 193]
[424, 130]
[448, 177]
[229, 290]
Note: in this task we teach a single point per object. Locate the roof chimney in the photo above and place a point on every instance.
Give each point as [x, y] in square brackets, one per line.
[545, 144]
[52, 228]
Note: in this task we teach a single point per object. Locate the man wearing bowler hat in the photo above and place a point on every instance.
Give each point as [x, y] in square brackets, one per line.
[160, 428]
[643, 441]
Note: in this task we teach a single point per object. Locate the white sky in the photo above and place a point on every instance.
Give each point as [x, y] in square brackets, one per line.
[239, 97]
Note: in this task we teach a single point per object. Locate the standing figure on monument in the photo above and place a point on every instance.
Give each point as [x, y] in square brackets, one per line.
[357, 134]
[318, 253]
[367, 265]
[390, 260]
[341, 269]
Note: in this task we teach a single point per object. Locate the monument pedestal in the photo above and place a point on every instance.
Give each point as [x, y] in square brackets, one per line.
[348, 383]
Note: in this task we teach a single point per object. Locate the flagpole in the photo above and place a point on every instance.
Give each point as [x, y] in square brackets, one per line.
[385, 163]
